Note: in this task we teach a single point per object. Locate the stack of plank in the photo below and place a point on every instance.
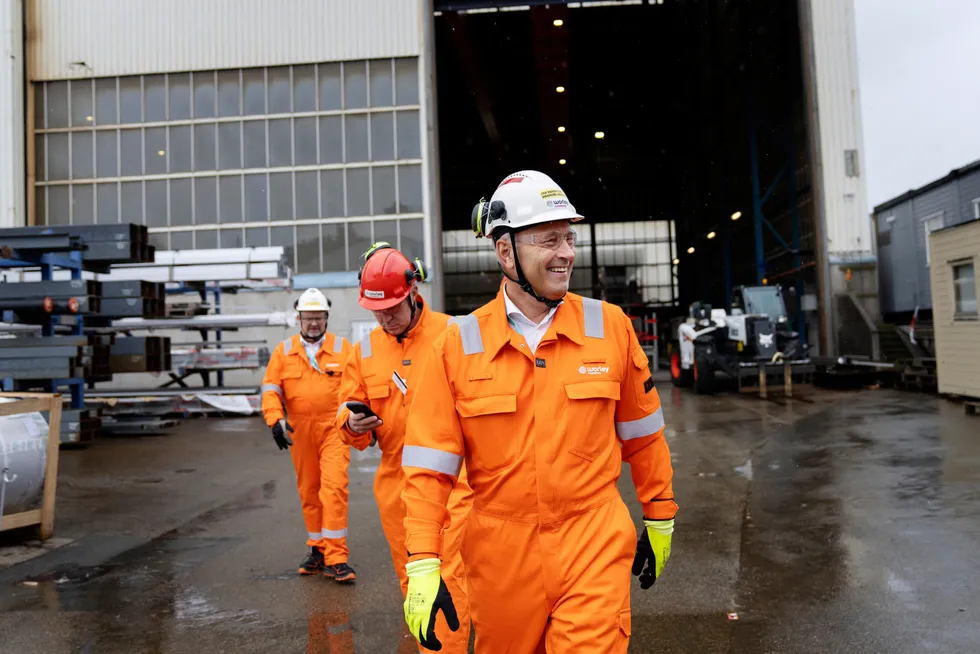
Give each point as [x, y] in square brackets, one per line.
[133, 299]
[140, 354]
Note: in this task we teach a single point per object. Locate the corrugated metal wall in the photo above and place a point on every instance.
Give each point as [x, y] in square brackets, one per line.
[12, 207]
[839, 115]
[105, 38]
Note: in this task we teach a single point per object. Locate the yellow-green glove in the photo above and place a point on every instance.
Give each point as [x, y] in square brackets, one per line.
[652, 550]
[427, 594]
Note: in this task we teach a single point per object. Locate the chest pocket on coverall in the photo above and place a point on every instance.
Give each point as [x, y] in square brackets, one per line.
[590, 412]
[490, 426]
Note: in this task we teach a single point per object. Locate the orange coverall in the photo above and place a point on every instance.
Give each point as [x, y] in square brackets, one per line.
[321, 458]
[369, 377]
[550, 542]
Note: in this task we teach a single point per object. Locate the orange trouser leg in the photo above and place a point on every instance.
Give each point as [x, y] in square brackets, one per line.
[555, 588]
[388, 492]
[306, 460]
[334, 464]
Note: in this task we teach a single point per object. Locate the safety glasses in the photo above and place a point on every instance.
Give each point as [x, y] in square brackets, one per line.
[549, 240]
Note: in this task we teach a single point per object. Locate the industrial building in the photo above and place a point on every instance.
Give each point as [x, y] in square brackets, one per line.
[321, 127]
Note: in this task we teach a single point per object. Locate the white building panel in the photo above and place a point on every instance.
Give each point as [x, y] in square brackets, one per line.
[106, 38]
[838, 110]
[12, 205]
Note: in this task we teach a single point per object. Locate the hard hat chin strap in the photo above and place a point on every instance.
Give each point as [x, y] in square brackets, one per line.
[413, 305]
[522, 280]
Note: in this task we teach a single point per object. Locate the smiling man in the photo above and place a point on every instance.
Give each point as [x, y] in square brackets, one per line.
[542, 394]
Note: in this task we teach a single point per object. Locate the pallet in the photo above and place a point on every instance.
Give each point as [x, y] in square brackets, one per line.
[42, 519]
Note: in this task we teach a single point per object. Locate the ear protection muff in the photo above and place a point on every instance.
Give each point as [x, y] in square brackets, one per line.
[485, 213]
[380, 245]
[417, 272]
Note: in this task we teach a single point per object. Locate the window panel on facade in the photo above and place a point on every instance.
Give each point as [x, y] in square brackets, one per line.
[181, 204]
[106, 153]
[331, 139]
[408, 135]
[256, 237]
[229, 146]
[406, 81]
[410, 189]
[283, 237]
[358, 241]
[412, 238]
[40, 170]
[255, 146]
[131, 202]
[256, 198]
[154, 98]
[41, 204]
[155, 150]
[280, 90]
[307, 196]
[107, 203]
[130, 100]
[82, 107]
[254, 85]
[106, 110]
[59, 205]
[355, 84]
[280, 143]
[332, 193]
[280, 196]
[130, 152]
[158, 240]
[229, 93]
[307, 248]
[230, 199]
[204, 146]
[82, 155]
[180, 149]
[334, 247]
[382, 94]
[182, 240]
[156, 203]
[386, 230]
[205, 239]
[382, 136]
[383, 190]
[58, 159]
[39, 105]
[304, 141]
[231, 238]
[56, 105]
[358, 192]
[83, 204]
[205, 200]
[180, 95]
[304, 88]
[330, 87]
[204, 95]
[356, 130]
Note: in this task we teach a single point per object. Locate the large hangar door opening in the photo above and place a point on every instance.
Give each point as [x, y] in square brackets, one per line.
[647, 114]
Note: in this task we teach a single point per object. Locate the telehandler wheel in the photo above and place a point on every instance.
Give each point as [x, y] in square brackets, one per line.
[704, 374]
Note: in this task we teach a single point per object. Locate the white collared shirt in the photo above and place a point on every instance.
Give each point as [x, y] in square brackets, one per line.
[531, 331]
[312, 349]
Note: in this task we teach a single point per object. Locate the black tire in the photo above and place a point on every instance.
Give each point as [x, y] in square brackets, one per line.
[704, 373]
[680, 377]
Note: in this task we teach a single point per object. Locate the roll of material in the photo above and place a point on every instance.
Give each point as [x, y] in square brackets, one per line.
[23, 458]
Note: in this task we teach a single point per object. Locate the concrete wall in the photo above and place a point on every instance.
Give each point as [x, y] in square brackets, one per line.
[957, 337]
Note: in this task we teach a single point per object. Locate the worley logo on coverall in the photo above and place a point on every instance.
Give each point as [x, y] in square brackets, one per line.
[593, 370]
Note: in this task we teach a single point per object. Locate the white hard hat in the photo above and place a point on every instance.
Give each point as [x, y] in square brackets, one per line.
[312, 300]
[522, 199]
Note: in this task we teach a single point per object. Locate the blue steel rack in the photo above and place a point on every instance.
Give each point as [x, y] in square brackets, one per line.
[48, 262]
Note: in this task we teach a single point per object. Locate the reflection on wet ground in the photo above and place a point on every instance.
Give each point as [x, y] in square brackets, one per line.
[845, 523]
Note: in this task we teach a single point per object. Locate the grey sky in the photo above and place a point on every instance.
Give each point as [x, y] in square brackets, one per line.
[919, 66]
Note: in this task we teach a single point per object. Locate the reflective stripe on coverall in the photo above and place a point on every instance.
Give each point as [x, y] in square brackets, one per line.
[369, 378]
[550, 542]
[321, 458]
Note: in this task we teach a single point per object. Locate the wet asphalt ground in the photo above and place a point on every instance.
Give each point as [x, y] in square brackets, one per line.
[848, 522]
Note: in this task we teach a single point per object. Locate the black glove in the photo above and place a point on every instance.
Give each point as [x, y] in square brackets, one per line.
[280, 436]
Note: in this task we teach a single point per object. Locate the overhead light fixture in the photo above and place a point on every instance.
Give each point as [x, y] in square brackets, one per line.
[559, 22]
[561, 162]
[560, 89]
[89, 118]
[690, 250]
[676, 262]
[161, 152]
[600, 135]
[711, 235]
[561, 128]
[736, 215]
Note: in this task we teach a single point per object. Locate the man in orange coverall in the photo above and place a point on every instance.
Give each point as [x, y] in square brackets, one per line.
[299, 397]
[382, 372]
[543, 394]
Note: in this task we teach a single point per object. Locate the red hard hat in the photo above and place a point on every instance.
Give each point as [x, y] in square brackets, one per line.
[387, 278]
